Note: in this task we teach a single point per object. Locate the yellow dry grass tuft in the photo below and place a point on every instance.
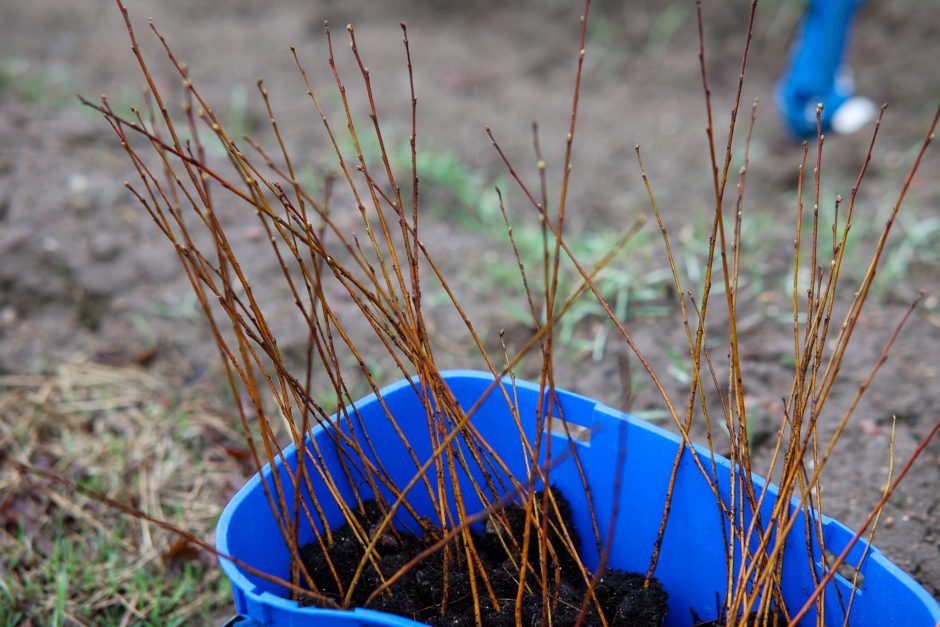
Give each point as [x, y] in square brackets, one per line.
[116, 430]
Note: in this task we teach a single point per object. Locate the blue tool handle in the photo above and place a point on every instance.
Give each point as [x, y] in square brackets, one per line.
[817, 73]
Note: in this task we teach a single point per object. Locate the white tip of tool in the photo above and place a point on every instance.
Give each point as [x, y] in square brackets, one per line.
[854, 113]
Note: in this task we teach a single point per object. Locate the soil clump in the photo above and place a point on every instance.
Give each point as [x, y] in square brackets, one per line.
[422, 592]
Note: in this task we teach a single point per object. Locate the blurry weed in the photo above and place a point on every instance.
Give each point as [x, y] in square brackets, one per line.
[678, 367]
[186, 308]
[665, 27]
[22, 79]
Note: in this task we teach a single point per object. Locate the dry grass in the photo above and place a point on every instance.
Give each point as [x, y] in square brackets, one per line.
[70, 560]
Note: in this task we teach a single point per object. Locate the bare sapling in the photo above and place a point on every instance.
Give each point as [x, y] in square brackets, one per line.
[351, 256]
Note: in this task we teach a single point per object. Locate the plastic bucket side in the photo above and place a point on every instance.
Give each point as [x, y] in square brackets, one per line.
[692, 564]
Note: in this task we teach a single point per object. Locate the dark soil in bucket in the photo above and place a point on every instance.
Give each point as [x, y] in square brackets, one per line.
[419, 595]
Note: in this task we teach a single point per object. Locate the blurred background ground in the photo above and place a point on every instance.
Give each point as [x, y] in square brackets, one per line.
[109, 376]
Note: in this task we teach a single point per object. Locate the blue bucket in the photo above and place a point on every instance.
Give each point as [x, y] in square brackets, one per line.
[692, 564]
